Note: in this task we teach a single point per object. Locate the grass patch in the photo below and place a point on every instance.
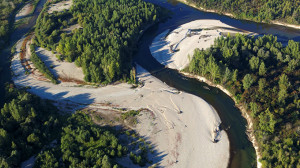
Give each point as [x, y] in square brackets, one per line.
[130, 117]
[21, 22]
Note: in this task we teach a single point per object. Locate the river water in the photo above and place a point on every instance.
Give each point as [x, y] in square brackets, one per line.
[241, 150]
[242, 153]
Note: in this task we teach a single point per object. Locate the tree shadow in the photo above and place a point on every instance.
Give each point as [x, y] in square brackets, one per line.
[63, 100]
[135, 144]
[47, 60]
[156, 48]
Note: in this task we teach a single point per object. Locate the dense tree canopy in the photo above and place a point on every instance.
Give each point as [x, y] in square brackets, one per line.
[82, 144]
[103, 47]
[258, 10]
[263, 75]
[26, 124]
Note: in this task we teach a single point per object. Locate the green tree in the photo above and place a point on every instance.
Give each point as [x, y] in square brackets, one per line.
[254, 108]
[254, 63]
[283, 86]
[261, 84]
[3, 137]
[214, 71]
[227, 75]
[32, 138]
[235, 75]
[154, 18]
[105, 162]
[3, 163]
[267, 121]
[17, 111]
[292, 65]
[45, 160]
[279, 56]
[262, 69]
[247, 81]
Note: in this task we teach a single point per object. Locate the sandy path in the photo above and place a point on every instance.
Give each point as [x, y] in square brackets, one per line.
[202, 39]
[182, 140]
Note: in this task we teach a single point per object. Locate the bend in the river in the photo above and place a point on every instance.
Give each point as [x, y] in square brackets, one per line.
[241, 149]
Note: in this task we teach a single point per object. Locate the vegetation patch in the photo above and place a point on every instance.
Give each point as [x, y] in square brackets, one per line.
[83, 144]
[281, 10]
[104, 46]
[139, 149]
[116, 117]
[130, 117]
[263, 76]
[40, 65]
[21, 22]
[27, 123]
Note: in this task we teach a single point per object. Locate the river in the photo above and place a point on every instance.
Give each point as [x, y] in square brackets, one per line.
[242, 153]
[5, 70]
[241, 150]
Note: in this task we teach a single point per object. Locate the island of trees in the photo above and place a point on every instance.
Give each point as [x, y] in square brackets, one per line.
[263, 76]
[257, 10]
[104, 46]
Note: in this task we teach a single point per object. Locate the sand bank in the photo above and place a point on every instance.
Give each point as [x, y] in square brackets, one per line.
[173, 49]
[62, 69]
[161, 49]
[60, 6]
[250, 128]
[24, 12]
[182, 139]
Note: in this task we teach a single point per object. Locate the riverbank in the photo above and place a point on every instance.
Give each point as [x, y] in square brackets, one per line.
[175, 49]
[162, 49]
[240, 106]
[183, 134]
[232, 16]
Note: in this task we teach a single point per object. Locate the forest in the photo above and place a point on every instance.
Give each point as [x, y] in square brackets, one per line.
[31, 126]
[107, 39]
[27, 123]
[263, 75]
[82, 144]
[257, 10]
